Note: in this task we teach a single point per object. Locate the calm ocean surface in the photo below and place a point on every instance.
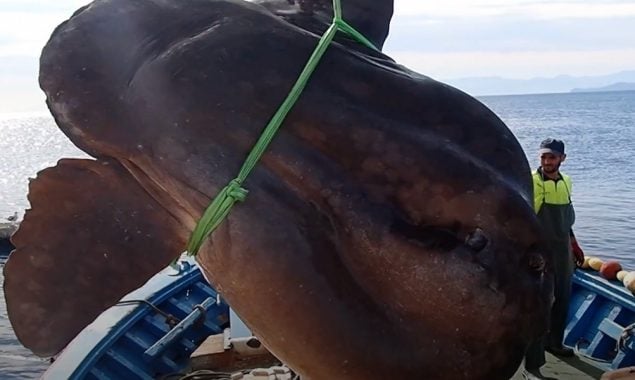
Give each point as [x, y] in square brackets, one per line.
[598, 128]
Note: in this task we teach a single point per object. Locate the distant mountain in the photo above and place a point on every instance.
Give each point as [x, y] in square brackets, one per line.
[621, 86]
[563, 83]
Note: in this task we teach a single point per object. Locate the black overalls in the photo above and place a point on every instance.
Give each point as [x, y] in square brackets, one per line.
[552, 202]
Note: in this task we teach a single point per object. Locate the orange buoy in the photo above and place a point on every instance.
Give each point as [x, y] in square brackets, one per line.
[609, 269]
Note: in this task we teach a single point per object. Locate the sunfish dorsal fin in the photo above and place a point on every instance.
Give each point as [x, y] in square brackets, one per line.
[92, 235]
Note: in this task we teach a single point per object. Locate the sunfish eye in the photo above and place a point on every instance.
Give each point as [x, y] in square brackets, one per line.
[477, 240]
[537, 262]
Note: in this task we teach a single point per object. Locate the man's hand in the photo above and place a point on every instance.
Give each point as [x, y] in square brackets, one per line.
[577, 252]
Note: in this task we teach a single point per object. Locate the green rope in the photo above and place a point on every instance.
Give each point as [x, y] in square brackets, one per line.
[234, 192]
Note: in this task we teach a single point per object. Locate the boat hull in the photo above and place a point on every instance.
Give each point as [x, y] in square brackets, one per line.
[601, 321]
[150, 334]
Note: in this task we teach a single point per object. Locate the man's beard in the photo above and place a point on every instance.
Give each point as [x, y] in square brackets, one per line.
[551, 171]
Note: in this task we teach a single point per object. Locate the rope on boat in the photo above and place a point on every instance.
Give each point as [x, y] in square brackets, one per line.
[203, 374]
[169, 318]
[577, 351]
[623, 339]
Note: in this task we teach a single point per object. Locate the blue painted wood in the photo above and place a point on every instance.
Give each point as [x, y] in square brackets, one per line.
[180, 329]
[600, 315]
[611, 329]
[113, 346]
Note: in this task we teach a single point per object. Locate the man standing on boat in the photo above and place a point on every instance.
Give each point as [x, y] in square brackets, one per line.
[552, 203]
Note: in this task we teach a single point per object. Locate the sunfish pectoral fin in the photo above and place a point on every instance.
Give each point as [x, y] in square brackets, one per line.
[91, 236]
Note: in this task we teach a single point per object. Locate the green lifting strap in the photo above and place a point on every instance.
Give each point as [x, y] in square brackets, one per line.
[234, 192]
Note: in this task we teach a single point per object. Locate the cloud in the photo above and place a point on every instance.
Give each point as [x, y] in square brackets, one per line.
[579, 11]
[519, 39]
[25, 33]
[25, 25]
[511, 34]
[523, 64]
[19, 90]
[528, 9]
[41, 6]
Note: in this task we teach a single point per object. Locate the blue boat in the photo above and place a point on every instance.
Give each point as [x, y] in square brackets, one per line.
[150, 334]
[5, 247]
[601, 321]
[6, 230]
[154, 330]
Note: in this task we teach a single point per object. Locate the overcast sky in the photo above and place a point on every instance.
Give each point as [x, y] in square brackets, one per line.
[453, 39]
[514, 38]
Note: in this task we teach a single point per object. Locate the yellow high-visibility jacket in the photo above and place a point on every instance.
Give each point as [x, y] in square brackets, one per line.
[548, 191]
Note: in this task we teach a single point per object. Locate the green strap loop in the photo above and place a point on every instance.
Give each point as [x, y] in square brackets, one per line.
[234, 192]
[348, 29]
